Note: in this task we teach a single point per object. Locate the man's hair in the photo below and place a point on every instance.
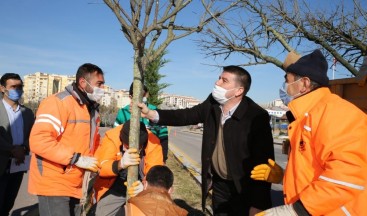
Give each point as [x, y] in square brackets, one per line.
[143, 134]
[160, 176]
[85, 70]
[131, 90]
[9, 76]
[243, 76]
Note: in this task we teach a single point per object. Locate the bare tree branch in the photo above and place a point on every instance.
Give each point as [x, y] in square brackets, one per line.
[264, 30]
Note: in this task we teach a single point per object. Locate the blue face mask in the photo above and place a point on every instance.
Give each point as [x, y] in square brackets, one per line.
[15, 94]
[284, 96]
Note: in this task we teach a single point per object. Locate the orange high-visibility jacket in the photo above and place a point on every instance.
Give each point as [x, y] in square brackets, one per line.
[109, 152]
[63, 127]
[327, 167]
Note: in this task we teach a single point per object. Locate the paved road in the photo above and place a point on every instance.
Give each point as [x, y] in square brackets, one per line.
[187, 147]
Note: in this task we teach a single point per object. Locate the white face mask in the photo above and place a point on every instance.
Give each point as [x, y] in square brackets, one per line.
[219, 94]
[97, 93]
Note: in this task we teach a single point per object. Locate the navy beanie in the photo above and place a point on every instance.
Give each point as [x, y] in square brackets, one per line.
[131, 90]
[124, 134]
[313, 66]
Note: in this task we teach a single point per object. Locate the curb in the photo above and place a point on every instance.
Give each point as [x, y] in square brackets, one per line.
[191, 166]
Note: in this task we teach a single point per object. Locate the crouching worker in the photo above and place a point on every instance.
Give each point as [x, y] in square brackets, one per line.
[155, 200]
[115, 156]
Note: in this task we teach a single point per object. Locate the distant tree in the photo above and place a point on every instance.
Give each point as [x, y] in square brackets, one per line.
[108, 113]
[152, 25]
[152, 76]
[262, 30]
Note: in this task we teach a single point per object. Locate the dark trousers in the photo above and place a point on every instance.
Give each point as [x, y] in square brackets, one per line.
[9, 187]
[58, 206]
[164, 144]
[226, 200]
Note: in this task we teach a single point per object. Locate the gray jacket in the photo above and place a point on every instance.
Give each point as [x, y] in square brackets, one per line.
[6, 140]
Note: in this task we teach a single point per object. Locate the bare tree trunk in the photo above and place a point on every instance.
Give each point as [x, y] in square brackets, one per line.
[140, 20]
[133, 171]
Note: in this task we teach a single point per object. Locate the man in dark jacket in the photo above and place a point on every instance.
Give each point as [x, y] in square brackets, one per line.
[236, 137]
[16, 122]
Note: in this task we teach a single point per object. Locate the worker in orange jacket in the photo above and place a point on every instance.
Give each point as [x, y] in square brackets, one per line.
[115, 156]
[63, 140]
[326, 171]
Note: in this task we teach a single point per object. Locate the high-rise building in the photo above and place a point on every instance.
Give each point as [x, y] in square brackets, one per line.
[39, 85]
[178, 101]
[121, 97]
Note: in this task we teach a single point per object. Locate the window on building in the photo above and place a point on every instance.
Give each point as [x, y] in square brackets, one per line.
[55, 86]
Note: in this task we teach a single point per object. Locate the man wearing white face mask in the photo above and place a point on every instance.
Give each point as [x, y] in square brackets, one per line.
[63, 141]
[236, 137]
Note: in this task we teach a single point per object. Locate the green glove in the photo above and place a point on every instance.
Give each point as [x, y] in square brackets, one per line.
[270, 172]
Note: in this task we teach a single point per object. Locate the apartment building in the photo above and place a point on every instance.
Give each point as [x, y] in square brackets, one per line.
[40, 85]
[121, 97]
[178, 101]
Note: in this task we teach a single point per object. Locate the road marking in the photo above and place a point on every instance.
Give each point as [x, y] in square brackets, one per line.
[192, 166]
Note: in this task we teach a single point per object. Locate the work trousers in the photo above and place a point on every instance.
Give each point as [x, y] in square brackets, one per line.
[9, 187]
[110, 204]
[226, 200]
[58, 206]
[164, 144]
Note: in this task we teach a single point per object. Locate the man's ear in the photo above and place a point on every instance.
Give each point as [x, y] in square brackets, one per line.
[82, 83]
[170, 190]
[306, 85]
[240, 91]
[145, 185]
[2, 88]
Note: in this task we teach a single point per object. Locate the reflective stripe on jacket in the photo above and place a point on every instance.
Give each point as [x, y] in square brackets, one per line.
[109, 152]
[327, 167]
[63, 127]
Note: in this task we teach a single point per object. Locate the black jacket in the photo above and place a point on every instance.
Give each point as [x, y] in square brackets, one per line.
[247, 138]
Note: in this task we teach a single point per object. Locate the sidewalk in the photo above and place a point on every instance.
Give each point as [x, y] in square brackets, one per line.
[25, 203]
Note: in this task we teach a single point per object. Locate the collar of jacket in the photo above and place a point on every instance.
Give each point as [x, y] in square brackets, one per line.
[238, 113]
[242, 108]
[157, 193]
[305, 103]
[81, 97]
